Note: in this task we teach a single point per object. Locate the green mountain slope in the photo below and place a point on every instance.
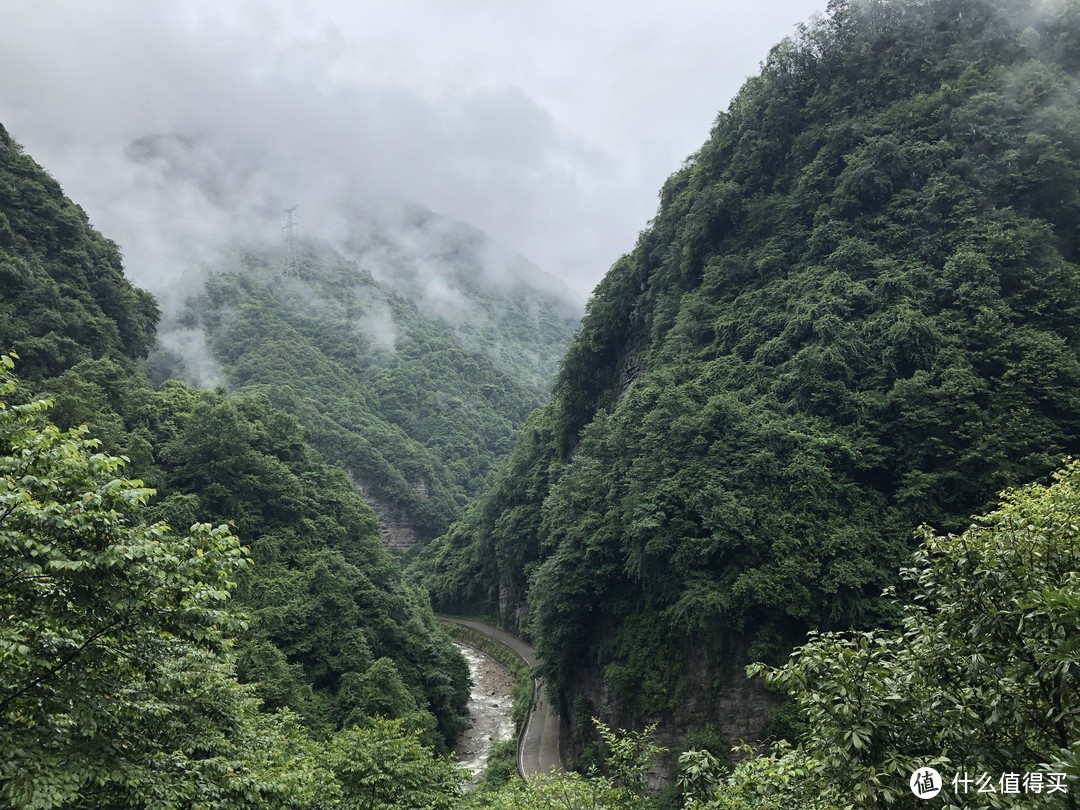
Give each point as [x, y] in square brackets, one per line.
[417, 408]
[496, 303]
[65, 297]
[334, 635]
[493, 302]
[856, 310]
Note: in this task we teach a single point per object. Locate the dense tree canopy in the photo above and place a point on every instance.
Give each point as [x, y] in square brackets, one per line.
[65, 297]
[855, 311]
[327, 602]
[117, 687]
[978, 677]
[418, 408]
[326, 599]
[118, 682]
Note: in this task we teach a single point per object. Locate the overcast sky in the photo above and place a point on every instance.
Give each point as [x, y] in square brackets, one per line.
[550, 125]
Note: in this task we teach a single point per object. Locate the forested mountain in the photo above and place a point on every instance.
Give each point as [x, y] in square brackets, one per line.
[495, 302]
[122, 655]
[857, 310]
[223, 200]
[418, 409]
[65, 297]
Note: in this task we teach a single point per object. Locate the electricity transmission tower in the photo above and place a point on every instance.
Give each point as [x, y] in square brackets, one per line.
[291, 265]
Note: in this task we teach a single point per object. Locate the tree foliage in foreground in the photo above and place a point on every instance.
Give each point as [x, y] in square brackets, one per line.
[980, 676]
[117, 681]
[386, 765]
[115, 684]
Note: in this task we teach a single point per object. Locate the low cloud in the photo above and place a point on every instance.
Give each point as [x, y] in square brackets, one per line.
[550, 127]
[186, 347]
[377, 325]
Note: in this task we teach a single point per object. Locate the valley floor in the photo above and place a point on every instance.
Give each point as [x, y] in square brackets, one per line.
[490, 718]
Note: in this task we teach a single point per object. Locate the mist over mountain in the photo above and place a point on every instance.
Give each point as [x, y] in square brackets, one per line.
[410, 344]
[417, 407]
[97, 471]
[449, 269]
[211, 195]
[549, 128]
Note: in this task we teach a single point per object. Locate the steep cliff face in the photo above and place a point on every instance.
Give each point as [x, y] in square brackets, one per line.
[856, 311]
[719, 707]
[396, 527]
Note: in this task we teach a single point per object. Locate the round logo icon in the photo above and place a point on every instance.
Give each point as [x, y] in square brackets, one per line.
[925, 783]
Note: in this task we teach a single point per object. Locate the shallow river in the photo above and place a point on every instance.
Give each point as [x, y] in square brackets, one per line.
[489, 710]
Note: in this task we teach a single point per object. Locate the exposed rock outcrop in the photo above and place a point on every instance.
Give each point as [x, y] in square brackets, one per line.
[396, 527]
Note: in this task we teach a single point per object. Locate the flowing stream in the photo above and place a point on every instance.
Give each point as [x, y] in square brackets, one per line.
[489, 710]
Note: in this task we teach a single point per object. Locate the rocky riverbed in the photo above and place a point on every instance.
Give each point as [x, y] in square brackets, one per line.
[489, 710]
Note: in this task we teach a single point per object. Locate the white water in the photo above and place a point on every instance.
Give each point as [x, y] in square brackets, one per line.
[489, 710]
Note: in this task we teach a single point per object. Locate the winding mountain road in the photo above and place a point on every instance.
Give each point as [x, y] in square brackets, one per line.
[538, 746]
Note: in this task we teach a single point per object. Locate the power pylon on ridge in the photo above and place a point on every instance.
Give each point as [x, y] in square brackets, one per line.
[291, 265]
